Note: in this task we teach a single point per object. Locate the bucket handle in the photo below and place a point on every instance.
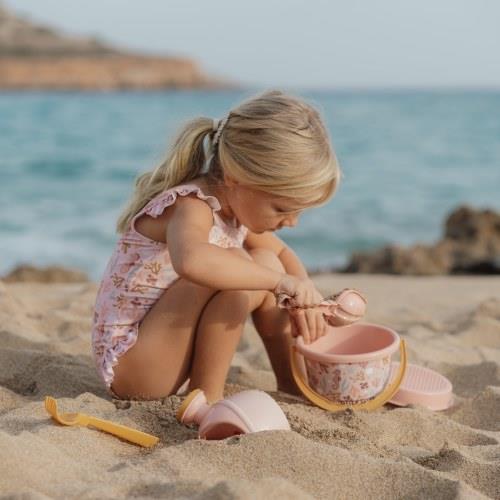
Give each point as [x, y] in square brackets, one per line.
[371, 404]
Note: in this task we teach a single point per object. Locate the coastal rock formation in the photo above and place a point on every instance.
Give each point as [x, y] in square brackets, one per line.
[110, 72]
[471, 245]
[33, 56]
[50, 274]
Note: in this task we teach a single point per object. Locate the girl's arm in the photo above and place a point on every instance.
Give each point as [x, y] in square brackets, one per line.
[188, 228]
[270, 241]
[292, 263]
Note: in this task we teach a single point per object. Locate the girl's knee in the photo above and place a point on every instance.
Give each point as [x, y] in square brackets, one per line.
[244, 301]
[267, 258]
[254, 299]
[240, 251]
[262, 256]
[194, 288]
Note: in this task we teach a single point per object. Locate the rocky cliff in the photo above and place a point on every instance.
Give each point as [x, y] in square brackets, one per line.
[33, 56]
[470, 245]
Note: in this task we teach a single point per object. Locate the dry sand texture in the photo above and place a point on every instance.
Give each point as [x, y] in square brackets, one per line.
[451, 324]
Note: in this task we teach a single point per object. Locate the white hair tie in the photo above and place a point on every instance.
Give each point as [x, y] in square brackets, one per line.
[217, 126]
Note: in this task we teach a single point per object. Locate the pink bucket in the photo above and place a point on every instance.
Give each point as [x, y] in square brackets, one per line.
[348, 365]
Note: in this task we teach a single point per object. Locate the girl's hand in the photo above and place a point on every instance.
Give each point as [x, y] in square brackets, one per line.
[310, 323]
[302, 290]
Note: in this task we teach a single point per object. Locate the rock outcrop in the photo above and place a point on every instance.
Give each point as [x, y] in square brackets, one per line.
[50, 274]
[471, 245]
[33, 56]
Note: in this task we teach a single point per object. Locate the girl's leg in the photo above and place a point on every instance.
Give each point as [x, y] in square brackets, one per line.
[220, 328]
[274, 328]
[165, 353]
[158, 363]
[219, 332]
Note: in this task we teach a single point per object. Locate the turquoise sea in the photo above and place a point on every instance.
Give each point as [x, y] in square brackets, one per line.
[68, 162]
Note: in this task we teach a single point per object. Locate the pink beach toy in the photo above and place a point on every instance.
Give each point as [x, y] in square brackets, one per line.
[242, 413]
[339, 309]
[350, 365]
[422, 386]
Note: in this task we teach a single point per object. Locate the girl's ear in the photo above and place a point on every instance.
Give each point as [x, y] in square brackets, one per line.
[229, 181]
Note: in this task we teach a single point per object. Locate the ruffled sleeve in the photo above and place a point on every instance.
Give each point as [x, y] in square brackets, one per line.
[158, 204]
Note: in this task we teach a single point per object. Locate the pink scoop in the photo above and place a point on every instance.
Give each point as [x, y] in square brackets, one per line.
[341, 309]
[242, 413]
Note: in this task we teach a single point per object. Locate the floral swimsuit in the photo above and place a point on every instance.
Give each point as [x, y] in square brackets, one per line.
[137, 274]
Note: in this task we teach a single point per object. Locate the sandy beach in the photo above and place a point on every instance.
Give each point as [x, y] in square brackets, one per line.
[450, 324]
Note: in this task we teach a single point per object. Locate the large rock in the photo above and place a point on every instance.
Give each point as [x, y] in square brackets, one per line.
[51, 274]
[471, 244]
[33, 56]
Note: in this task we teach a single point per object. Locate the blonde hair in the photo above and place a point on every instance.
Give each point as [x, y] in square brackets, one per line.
[273, 142]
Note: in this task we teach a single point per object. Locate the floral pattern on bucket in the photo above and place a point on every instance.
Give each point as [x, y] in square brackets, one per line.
[349, 382]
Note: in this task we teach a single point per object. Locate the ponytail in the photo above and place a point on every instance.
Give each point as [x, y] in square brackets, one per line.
[184, 162]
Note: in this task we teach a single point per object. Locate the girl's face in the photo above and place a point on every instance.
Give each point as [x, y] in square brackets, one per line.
[260, 211]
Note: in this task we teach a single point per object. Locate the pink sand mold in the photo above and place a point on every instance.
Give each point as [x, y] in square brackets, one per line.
[422, 386]
[242, 413]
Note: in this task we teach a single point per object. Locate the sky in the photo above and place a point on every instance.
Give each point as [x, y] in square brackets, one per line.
[308, 44]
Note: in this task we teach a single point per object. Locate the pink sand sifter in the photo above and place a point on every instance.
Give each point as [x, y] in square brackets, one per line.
[422, 386]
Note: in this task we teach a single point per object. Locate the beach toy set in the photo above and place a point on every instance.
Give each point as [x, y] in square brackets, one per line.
[349, 366]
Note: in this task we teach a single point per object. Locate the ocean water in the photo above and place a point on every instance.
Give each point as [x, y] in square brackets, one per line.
[68, 162]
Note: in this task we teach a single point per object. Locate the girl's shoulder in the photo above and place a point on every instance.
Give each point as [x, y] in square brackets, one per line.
[157, 205]
[152, 221]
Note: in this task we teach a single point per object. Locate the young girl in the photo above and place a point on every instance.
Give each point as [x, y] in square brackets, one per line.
[198, 252]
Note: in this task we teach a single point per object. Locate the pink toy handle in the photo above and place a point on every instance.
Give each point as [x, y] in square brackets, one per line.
[341, 309]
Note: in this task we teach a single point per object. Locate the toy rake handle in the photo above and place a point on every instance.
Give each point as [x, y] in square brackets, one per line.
[124, 432]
